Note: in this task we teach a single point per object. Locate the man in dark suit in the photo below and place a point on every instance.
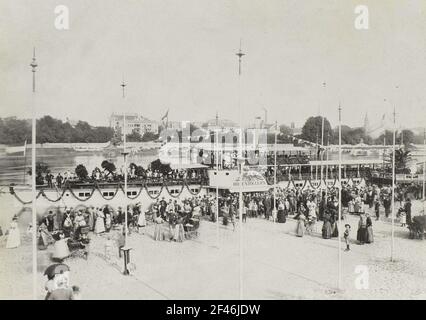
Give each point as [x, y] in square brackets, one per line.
[407, 209]
[268, 207]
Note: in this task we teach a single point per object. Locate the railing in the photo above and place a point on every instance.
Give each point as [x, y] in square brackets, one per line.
[132, 182]
[308, 176]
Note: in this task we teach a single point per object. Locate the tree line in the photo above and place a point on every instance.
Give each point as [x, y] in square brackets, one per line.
[312, 131]
[15, 131]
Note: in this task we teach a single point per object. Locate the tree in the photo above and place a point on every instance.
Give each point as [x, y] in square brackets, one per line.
[139, 170]
[286, 130]
[406, 137]
[81, 172]
[312, 130]
[149, 136]
[402, 159]
[157, 165]
[386, 137]
[109, 167]
[353, 135]
[135, 136]
[41, 168]
[14, 131]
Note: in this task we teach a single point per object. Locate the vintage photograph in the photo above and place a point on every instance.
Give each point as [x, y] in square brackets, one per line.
[212, 150]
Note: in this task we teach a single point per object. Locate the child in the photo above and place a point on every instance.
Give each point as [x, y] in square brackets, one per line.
[76, 294]
[402, 218]
[346, 236]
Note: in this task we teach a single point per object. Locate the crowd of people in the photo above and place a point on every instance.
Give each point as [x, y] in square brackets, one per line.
[99, 176]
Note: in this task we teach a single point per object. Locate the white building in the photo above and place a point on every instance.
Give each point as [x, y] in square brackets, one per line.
[134, 122]
[223, 124]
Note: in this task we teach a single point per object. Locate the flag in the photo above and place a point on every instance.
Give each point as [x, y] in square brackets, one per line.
[166, 115]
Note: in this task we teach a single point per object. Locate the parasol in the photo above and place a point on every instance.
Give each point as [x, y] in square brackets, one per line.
[56, 268]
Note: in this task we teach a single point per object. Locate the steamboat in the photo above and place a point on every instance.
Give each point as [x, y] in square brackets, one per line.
[207, 170]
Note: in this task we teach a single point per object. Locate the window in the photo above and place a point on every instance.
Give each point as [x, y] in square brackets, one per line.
[87, 194]
[81, 194]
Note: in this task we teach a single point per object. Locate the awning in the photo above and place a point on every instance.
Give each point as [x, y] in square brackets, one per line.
[177, 166]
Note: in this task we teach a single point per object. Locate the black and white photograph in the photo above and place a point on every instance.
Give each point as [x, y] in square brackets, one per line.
[227, 150]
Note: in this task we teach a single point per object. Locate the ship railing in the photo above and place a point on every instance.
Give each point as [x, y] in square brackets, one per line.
[149, 182]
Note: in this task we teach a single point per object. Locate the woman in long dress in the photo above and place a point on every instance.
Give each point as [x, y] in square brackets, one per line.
[91, 218]
[326, 227]
[100, 222]
[362, 229]
[369, 233]
[281, 214]
[61, 250]
[351, 206]
[108, 221]
[312, 208]
[67, 225]
[357, 205]
[300, 230]
[44, 238]
[141, 221]
[14, 237]
[158, 229]
[179, 234]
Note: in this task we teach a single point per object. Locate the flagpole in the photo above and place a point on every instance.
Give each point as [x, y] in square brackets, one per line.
[393, 186]
[274, 216]
[217, 187]
[339, 285]
[240, 54]
[123, 85]
[424, 171]
[33, 178]
[322, 145]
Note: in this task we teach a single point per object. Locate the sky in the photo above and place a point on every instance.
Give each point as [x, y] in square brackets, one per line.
[180, 55]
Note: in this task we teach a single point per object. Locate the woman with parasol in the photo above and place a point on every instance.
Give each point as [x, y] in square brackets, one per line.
[14, 236]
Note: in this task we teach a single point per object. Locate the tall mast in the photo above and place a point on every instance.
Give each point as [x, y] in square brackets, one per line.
[393, 185]
[125, 153]
[33, 177]
[240, 160]
[340, 200]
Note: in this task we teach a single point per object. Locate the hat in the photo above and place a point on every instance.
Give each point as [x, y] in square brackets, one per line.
[347, 225]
